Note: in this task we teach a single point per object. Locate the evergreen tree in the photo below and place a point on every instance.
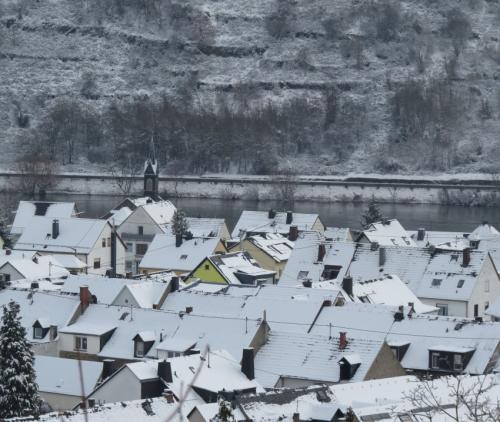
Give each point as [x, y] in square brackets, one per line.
[18, 388]
[4, 232]
[372, 214]
[179, 223]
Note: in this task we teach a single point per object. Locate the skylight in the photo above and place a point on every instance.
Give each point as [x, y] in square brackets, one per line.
[436, 282]
[460, 283]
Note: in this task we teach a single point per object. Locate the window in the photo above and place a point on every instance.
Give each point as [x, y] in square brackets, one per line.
[460, 283]
[128, 266]
[207, 267]
[80, 343]
[141, 248]
[436, 282]
[103, 242]
[486, 305]
[443, 309]
[435, 360]
[139, 349]
[183, 257]
[140, 230]
[97, 263]
[331, 272]
[476, 310]
[302, 275]
[130, 247]
[487, 286]
[38, 332]
[108, 240]
[458, 363]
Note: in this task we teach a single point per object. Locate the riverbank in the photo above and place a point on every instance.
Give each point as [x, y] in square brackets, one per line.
[468, 189]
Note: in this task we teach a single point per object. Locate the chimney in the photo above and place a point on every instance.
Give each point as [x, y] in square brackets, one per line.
[34, 285]
[174, 284]
[108, 368]
[399, 315]
[271, 214]
[321, 252]
[307, 283]
[347, 284]
[247, 366]
[466, 257]
[178, 240]
[165, 371]
[169, 396]
[293, 233]
[342, 340]
[189, 309]
[84, 297]
[296, 417]
[289, 217]
[381, 257]
[55, 229]
[421, 234]
[374, 246]
[8, 252]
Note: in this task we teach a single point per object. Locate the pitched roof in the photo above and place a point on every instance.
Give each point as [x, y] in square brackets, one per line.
[53, 309]
[231, 264]
[204, 227]
[45, 266]
[62, 376]
[76, 235]
[163, 254]
[161, 212]
[494, 309]
[312, 357]
[26, 210]
[259, 222]
[389, 233]
[276, 246]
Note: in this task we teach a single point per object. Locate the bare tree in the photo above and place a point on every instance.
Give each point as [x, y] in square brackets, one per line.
[124, 175]
[465, 399]
[37, 173]
[286, 187]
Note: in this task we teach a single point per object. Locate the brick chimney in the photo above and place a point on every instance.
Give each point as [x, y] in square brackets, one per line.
[271, 214]
[321, 252]
[293, 233]
[466, 257]
[84, 297]
[289, 217]
[247, 363]
[296, 417]
[165, 371]
[381, 257]
[342, 340]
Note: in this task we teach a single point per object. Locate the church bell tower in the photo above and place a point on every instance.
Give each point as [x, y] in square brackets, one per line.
[151, 175]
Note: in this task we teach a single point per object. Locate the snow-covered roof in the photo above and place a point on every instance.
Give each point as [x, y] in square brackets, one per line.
[163, 254]
[204, 227]
[484, 231]
[45, 266]
[312, 357]
[88, 328]
[119, 216]
[259, 222]
[26, 210]
[276, 246]
[161, 212]
[103, 288]
[232, 264]
[420, 331]
[137, 410]
[303, 263]
[62, 376]
[70, 262]
[147, 293]
[388, 290]
[204, 329]
[76, 235]
[388, 233]
[494, 309]
[53, 309]
[174, 344]
[337, 233]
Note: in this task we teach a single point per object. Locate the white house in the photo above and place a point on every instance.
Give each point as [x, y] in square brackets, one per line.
[388, 233]
[26, 210]
[90, 240]
[32, 269]
[139, 228]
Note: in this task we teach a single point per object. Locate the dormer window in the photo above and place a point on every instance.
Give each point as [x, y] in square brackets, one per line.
[399, 349]
[139, 349]
[450, 359]
[331, 272]
[143, 343]
[140, 230]
[38, 333]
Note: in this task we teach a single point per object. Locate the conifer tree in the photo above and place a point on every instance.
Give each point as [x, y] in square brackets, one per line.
[372, 214]
[179, 223]
[18, 388]
[225, 413]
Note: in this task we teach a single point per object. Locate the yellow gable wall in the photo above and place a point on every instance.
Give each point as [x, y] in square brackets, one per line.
[207, 272]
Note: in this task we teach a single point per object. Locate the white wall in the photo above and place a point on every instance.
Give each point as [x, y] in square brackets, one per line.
[50, 348]
[121, 387]
[67, 343]
[8, 269]
[125, 298]
[487, 277]
[455, 308]
[60, 401]
[104, 253]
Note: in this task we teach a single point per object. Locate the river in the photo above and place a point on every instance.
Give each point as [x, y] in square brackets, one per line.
[412, 216]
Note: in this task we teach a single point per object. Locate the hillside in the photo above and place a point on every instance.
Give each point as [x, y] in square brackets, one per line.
[244, 86]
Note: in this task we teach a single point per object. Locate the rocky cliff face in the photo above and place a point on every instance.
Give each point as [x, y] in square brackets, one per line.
[236, 85]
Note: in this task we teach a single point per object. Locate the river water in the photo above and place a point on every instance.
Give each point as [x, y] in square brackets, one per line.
[412, 216]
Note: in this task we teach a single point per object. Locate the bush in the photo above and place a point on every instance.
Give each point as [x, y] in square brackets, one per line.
[458, 28]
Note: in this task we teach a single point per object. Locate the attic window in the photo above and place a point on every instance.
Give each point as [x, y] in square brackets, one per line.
[124, 315]
[436, 282]
[302, 275]
[460, 283]
[183, 257]
[37, 332]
